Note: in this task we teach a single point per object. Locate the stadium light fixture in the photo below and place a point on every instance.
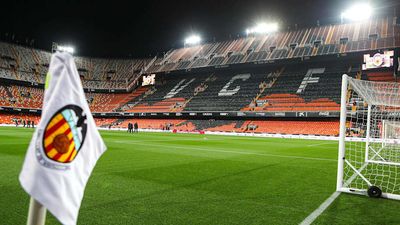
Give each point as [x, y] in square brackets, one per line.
[263, 28]
[193, 40]
[357, 12]
[68, 49]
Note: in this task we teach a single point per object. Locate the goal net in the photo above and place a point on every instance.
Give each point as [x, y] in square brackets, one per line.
[369, 143]
[390, 131]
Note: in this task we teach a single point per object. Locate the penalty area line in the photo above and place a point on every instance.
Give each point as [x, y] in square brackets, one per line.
[229, 151]
[314, 215]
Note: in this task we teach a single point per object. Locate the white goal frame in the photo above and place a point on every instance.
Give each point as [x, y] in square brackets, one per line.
[350, 173]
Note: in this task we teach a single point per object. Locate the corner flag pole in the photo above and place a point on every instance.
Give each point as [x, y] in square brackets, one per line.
[37, 213]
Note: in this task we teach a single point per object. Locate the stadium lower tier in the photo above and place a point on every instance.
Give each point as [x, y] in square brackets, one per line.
[273, 126]
[327, 127]
[18, 119]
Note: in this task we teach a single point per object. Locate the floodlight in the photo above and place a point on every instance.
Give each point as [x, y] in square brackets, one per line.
[263, 28]
[68, 49]
[357, 12]
[193, 40]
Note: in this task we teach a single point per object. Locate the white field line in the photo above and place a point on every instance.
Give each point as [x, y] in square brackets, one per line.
[320, 144]
[205, 139]
[314, 215]
[171, 140]
[228, 151]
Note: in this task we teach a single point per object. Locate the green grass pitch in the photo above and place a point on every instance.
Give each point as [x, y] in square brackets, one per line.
[160, 178]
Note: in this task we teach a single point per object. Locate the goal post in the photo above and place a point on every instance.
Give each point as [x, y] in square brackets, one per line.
[369, 141]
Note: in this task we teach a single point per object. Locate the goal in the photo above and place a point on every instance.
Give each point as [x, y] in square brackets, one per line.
[390, 131]
[369, 141]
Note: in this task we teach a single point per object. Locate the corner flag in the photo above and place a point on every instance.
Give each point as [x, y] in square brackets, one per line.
[65, 146]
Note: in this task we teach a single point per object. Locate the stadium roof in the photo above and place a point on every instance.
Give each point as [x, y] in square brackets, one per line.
[133, 29]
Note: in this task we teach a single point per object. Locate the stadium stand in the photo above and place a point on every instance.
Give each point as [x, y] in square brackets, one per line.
[135, 98]
[322, 40]
[290, 71]
[21, 96]
[296, 87]
[214, 125]
[160, 124]
[153, 123]
[8, 118]
[385, 76]
[106, 102]
[31, 65]
[328, 128]
[317, 127]
[169, 94]
[32, 98]
[106, 122]
[303, 88]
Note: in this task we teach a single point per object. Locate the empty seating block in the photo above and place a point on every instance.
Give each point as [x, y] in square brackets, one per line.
[326, 128]
[386, 76]
[9, 118]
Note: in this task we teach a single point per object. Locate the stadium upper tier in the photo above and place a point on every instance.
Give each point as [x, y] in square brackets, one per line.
[322, 40]
[26, 64]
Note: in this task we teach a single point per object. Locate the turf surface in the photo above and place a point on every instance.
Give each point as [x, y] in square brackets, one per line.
[159, 178]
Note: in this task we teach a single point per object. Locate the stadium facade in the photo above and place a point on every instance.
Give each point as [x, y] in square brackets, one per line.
[286, 82]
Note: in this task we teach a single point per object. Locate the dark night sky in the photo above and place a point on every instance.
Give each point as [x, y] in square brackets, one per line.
[140, 28]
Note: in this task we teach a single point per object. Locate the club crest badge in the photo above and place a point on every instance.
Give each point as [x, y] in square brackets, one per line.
[60, 141]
